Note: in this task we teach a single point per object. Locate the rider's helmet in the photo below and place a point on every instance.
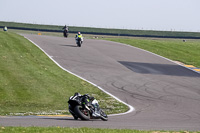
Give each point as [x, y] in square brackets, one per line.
[79, 33]
[86, 96]
[77, 94]
[91, 98]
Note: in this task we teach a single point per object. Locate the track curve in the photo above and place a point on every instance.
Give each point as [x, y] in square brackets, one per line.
[166, 96]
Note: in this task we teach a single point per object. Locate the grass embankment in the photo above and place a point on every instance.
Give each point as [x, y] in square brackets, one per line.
[75, 130]
[175, 49]
[30, 83]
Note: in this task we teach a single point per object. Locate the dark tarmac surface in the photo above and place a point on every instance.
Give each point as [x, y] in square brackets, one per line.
[166, 96]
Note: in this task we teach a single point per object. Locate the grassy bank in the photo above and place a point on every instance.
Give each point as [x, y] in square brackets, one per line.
[76, 130]
[30, 83]
[175, 49]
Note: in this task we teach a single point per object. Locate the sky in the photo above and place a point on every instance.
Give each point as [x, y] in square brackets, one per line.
[165, 15]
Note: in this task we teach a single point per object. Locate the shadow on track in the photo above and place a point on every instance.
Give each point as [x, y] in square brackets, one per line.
[159, 69]
[70, 119]
[68, 45]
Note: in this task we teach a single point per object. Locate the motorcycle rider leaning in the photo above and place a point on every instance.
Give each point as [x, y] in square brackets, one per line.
[79, 35]
[90, 100]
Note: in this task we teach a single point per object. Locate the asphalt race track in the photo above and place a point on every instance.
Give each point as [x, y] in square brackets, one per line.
[166, 96]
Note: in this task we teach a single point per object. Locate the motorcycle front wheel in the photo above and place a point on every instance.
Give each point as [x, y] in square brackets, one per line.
[82, 113]
[104, 117]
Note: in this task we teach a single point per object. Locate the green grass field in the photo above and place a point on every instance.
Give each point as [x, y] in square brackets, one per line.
[76, 130]
[30, 83]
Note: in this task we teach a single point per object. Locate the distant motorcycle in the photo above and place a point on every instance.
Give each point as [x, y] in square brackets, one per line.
[79, 109]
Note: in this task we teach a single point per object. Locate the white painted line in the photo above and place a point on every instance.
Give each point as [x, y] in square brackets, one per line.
[131, 108]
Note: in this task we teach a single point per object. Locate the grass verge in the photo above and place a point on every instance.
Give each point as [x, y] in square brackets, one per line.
[76, 130]
[30, 83]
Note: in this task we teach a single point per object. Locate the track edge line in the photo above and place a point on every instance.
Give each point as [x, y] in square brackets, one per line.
[131, 108]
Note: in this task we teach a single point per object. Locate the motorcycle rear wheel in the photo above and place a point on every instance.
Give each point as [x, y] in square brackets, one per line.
[82, 113]
[79, 44]
[65, 34]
